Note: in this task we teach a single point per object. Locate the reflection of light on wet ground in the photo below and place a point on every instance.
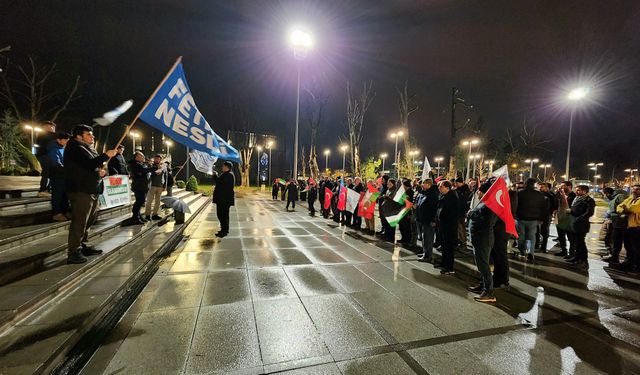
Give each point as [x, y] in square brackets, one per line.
[533, 317]
[569, 360]
[395, 258]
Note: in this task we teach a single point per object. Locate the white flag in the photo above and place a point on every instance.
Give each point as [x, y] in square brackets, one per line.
[202, 161]
[352, 200]
[111, 116]
[426, 168]
[504, 173]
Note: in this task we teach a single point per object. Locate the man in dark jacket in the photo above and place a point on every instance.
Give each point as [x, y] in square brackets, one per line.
[223, 196]
[158, 182]
[542, 235]
[117, 164]
[292, 194]
[499, 252]
[618, 223]
[140, 173]
[464, 195]
[482, 220]
[83, 177]
[312, 197]
[564, 234]
[59, 199]
[582, 208]
[426, 207]
[43, 142]
[532, 208]
[274, 190]
[447, 218]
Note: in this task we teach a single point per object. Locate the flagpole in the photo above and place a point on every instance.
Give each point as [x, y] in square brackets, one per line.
[182, 166]
[178, 61]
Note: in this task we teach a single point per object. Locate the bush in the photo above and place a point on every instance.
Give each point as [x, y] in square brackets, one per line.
[180, 184]
[192, 184]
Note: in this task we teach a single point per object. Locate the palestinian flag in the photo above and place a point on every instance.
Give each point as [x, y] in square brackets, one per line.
[281, 181]
[400, 195]
[394, 212]
[367, 205]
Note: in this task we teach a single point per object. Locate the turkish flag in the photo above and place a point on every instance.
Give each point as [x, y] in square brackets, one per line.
[342, 198]
[327, 198]
[497, 199]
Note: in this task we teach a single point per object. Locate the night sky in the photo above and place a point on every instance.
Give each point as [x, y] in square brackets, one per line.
[509, 58]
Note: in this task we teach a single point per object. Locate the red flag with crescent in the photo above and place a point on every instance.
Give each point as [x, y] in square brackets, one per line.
[342, 198]
[327, 198]
[497, 199]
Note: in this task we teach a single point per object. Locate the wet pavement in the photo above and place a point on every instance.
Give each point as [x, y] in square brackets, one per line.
[299, 295]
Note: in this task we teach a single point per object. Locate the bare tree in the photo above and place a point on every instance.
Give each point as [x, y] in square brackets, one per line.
[356, 109]
[242, 121]
[406, 106]
[315, 102]
[303, 160]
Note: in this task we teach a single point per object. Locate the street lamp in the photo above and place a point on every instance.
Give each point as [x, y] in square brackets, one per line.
[631, 173]
[344, 157]
[594, 166]
[326, 159]
[301, 41]
[32, 129]
[490, 163]
[134, 135]
[259, 148]
[575, 95]
[270, 146]
[396, 135]
[438, 159]
[544, 166]
[413, 154]
[383, 156]
[531, 161]
[469, 143]
[475, 158]
[169, 144]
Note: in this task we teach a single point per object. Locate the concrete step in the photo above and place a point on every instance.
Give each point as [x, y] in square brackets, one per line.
[11, 237]
[80, 303]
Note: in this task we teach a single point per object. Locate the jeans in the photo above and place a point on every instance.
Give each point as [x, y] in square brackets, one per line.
[482, 250]
[428, 232]
[59, 200]
[581, 245]
[617, 239]
[563, 236]
[527, 232]
[542, 237]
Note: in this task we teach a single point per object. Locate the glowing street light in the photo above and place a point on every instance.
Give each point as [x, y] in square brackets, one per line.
[544, 166]
[490, 163]
[594, 166]
[575, 95]
[383, 156]
[531, 161]
[413, 154]
[344, 156]
[302, 42]
[169, 144]
[270, 146]
[438, 159]
[396, 135]
[32, 129]
[470, 143]
[631, 172]
[327, 152]
[475, 158]
[134, 135]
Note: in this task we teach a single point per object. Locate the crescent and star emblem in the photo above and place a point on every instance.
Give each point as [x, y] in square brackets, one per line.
[499, 198]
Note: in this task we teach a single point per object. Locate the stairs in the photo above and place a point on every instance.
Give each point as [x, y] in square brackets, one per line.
[39, 291]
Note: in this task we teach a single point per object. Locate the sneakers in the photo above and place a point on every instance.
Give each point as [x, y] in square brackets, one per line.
[478, 289]
[44, 194]
[447, 272]
[485, 297]
[76, 258]
[90, 250]
[59, 217]
[156, 217]
[424, 259]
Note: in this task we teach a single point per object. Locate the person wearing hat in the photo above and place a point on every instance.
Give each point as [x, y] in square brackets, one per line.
[223, 196]
[481, 222]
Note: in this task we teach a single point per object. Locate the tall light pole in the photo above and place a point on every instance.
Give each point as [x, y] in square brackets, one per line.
[531, 161]
[383, 156]
[594, 166]
[544, 166]
[302, 42]
[32, 129]
[490, 163]
[438, 160]
[168, 143]
[327, 152]
[270, 146]
[344, 157]
[396, 135]
[134, 135]
[475, 159]
[631, 173]
[469, 143]
[259, 148]
[575, 96]
[413, 154]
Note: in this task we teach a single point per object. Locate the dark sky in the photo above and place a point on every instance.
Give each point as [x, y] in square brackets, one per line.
[509, 58]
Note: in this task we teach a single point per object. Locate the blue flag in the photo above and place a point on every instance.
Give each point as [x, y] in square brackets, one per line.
[173, 111]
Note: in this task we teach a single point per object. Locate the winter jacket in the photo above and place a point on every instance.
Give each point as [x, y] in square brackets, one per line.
[82, 165]
[617, 220]
[552, 203]
[312, 195]
[292, 192]
[464, 195]
[631, 208]
[582, 209]
[158, 179]
[427, 205]
[532, 205]
[448, 210]
[55, 153]
[140, 173]
[43, 143]
[117, 165]
[223, 192]
[481, 221]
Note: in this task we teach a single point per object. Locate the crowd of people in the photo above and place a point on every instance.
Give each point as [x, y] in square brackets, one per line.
[445, 213]
[72, 173]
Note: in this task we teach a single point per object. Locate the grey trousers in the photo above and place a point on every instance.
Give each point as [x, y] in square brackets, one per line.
[84, 208]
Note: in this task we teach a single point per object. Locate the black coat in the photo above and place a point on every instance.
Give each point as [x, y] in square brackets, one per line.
[312, 195]
[117, 165]
[275, 188]
[427, 205]
[43, 142]
[292, 192]
[140, 175]
[582, 209]
[223, 192]
[481, 221]
[82, 165]
[532, 205]
[448, 210]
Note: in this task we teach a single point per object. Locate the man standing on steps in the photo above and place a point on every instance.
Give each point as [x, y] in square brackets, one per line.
[83, 177]
[223, 196]
[41, 154]
[140, 177]
[158, 181]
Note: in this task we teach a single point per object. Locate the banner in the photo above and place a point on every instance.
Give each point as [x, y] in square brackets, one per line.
[173, 111]
[203, 162]
[116, 191]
